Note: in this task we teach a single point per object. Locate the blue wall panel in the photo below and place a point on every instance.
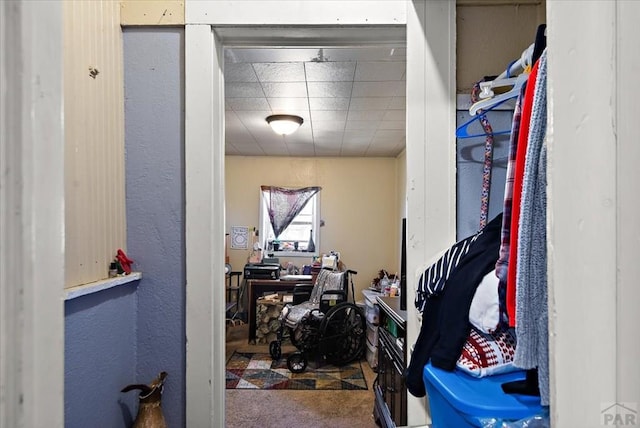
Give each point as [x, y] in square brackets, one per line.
[154, 139]
[100, 358]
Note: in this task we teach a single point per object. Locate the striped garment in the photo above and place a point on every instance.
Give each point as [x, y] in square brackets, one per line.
[433, 279]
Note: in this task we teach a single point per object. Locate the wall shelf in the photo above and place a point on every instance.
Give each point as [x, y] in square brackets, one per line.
[103, 284]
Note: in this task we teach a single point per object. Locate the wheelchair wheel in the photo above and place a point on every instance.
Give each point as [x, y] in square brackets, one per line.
[275, 350]
[343, 333]
[297, 362]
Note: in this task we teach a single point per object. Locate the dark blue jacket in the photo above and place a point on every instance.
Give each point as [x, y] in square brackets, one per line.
[445, 320]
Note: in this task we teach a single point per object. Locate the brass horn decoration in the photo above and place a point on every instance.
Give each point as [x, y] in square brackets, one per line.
[149, 409]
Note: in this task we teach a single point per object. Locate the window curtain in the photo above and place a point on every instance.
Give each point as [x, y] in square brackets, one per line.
[284, 204]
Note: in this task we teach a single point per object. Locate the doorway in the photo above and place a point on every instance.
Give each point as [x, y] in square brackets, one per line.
[352, 102]
[430, 49]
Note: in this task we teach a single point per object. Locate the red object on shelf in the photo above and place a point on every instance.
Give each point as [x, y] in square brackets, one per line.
[125, 262]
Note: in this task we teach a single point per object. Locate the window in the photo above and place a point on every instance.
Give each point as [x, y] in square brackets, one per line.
[293, 241]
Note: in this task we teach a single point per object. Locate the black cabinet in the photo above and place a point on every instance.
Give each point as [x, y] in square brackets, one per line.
[390, 408]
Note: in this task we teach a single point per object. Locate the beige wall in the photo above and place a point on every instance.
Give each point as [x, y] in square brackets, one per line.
[360, 204]
[491, 34]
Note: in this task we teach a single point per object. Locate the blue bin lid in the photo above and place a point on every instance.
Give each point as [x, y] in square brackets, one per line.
[482, 397]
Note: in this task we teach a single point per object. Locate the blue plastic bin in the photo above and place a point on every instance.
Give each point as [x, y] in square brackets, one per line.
[458, 400]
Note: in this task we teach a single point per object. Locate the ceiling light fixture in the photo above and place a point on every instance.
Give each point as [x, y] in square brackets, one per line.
[284, 124]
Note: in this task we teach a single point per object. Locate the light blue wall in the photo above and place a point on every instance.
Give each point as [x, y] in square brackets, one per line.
[154, 138]
[100, 358]
[470, 163]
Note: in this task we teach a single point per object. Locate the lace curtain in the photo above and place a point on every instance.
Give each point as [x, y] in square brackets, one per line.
[285, 204]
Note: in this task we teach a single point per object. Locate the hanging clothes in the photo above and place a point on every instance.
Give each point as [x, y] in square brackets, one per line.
[503, 260]
[531, 274]
[445, 322]
[525, 119]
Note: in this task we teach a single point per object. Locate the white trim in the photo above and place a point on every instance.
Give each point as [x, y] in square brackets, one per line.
[433, 62]
[593, 209]
[31, 216]
[97, 286]
[431, 150]
[205, 234]
[628, 227]
[299, 13]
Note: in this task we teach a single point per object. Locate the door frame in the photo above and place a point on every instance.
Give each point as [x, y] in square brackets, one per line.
[430, 32]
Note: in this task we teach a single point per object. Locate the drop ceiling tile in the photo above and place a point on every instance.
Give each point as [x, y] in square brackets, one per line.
[361, 124]
[243, 90]
[328, 125]
[353, 151]
[370, 103]
[330, 71]
[241, 72]
[388, 136]
[226, 104]
[361, 132]
[357, 137]
[328, 151]
[279, 72]
[378, 89]
[392, 124]
[230, 150]
[299, 138]
[327, 135]
[379, 71]
[319, 115]
[248, 148]
[329, 89]
[322, 103]
[365, 115]
[301, 150]
[253, 117]
[240, 140]
[381, 152]
[284, 89]
[398, 103]
[231, 118]
[395, 115]
[285, 105]
[248, 104]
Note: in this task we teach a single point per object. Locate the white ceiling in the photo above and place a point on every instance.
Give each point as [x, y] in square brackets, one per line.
[352, 100]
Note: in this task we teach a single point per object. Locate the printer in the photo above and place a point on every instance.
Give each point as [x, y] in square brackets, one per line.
[261, 271]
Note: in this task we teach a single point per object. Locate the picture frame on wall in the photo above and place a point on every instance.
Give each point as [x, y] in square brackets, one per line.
[239, 237]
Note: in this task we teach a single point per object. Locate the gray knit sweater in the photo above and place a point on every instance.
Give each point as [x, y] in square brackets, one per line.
[532, 315]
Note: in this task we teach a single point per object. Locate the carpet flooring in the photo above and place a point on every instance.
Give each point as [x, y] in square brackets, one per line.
[289, 408]
[250, 370]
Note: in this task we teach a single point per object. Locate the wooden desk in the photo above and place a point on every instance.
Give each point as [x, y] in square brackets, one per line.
[256, 288]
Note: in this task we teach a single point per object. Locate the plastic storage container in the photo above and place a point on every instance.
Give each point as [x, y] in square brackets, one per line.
[372, 334]
[458, 400]
[372, 355]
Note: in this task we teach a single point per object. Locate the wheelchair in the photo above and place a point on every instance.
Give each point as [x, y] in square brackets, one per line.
[327, 325]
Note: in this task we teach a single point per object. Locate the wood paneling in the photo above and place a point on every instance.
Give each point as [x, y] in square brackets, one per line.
[94, 139]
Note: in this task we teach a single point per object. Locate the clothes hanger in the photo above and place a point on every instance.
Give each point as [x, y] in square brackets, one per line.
[490, 103]
[463, 132]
